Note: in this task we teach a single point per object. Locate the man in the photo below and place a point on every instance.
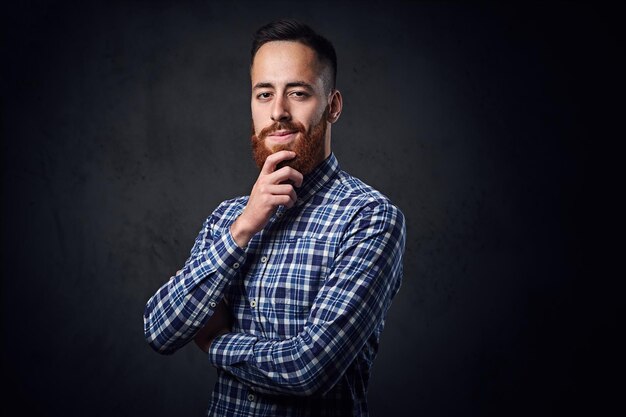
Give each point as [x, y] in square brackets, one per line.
[287, 289]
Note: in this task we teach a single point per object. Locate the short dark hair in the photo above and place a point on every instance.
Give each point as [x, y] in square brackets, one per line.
[293, 30]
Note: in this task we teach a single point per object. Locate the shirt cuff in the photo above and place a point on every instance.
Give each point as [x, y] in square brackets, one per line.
[223, 257]
[226, 255]
[231, 348]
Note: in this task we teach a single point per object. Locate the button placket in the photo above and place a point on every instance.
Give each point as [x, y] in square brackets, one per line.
[254, 303]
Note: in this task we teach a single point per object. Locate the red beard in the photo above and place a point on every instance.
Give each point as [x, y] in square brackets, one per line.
[308, 146]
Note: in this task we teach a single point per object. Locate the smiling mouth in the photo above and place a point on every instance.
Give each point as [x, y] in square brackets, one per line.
[282, 136]
[282, 133]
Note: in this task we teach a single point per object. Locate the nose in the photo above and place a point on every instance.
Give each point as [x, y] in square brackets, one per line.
[280, 110]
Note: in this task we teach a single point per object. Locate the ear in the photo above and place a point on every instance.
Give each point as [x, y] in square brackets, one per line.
[336, 105]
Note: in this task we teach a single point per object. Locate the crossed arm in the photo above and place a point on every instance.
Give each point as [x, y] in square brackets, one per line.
[349, 308]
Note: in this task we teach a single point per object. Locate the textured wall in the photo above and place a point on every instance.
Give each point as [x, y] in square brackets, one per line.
[124, 124]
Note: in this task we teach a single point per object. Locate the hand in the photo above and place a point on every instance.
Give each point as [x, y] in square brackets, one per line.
[273, 188]
[219, 323]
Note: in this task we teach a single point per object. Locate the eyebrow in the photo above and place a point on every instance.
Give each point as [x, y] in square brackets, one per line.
[291, 84]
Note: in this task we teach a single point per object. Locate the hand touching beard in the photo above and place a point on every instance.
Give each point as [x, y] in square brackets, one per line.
[308, 146]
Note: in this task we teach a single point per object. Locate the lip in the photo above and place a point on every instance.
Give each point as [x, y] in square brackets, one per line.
[282, 136]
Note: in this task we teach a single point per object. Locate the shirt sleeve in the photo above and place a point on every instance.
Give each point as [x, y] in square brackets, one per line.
[175, 313]
[350, 306]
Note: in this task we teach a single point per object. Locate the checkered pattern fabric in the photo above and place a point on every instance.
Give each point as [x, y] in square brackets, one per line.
[309, 295]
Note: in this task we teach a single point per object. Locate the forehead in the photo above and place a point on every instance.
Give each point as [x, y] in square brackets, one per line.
[280, 62]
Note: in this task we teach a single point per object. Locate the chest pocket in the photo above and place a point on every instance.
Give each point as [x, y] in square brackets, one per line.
[300, 268]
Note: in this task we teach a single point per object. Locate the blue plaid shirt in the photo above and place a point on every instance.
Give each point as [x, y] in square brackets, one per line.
[309, 295]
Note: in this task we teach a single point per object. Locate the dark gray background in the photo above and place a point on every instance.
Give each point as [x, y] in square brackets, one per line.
[125, 123]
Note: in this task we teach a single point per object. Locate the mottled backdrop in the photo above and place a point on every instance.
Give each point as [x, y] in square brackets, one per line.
[125, 123]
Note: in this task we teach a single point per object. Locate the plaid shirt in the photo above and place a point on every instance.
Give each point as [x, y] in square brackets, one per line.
[309, 295]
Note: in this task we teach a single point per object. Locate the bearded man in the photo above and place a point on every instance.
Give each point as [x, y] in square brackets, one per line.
[287, 289]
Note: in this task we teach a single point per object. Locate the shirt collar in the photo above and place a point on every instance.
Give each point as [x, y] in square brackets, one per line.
[317, 178]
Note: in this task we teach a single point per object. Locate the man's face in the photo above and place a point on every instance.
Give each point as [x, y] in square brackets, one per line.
[289, 104]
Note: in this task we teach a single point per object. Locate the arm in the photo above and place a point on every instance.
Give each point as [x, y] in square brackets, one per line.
[349, 307]
[220, 323]
[188, 300]
[183, 304]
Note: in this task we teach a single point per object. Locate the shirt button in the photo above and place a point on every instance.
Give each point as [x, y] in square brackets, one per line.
[279, 214]
[236, 265]
[253, 303]
[251, 397]
[212, 304]
[264, 259]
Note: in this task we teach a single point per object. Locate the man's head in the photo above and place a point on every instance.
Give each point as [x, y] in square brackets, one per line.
[294, 99]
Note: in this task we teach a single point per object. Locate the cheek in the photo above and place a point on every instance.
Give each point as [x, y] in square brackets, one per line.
[319, 114]
[313, 123]
[258, 119]
[308, 119]
[257, 126]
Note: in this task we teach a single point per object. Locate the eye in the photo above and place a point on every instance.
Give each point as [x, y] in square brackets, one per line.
[299, 95]
[263, 96]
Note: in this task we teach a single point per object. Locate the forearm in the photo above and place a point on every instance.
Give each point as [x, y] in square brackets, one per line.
[182, 305]
[348, 310]
[313, 361]
[298, 366]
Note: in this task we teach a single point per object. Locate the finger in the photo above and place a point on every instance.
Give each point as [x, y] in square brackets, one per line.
[280, 189]
[271, 161]
[293, 197]
[270, 192]
[282, 200]
[286, 190]
[286, 174]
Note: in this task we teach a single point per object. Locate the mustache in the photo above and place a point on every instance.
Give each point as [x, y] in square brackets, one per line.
[295, 126]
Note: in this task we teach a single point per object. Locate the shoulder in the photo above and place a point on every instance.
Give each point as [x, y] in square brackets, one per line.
[228, 206]
[363, 204]
[358, 194]
[227, 211]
